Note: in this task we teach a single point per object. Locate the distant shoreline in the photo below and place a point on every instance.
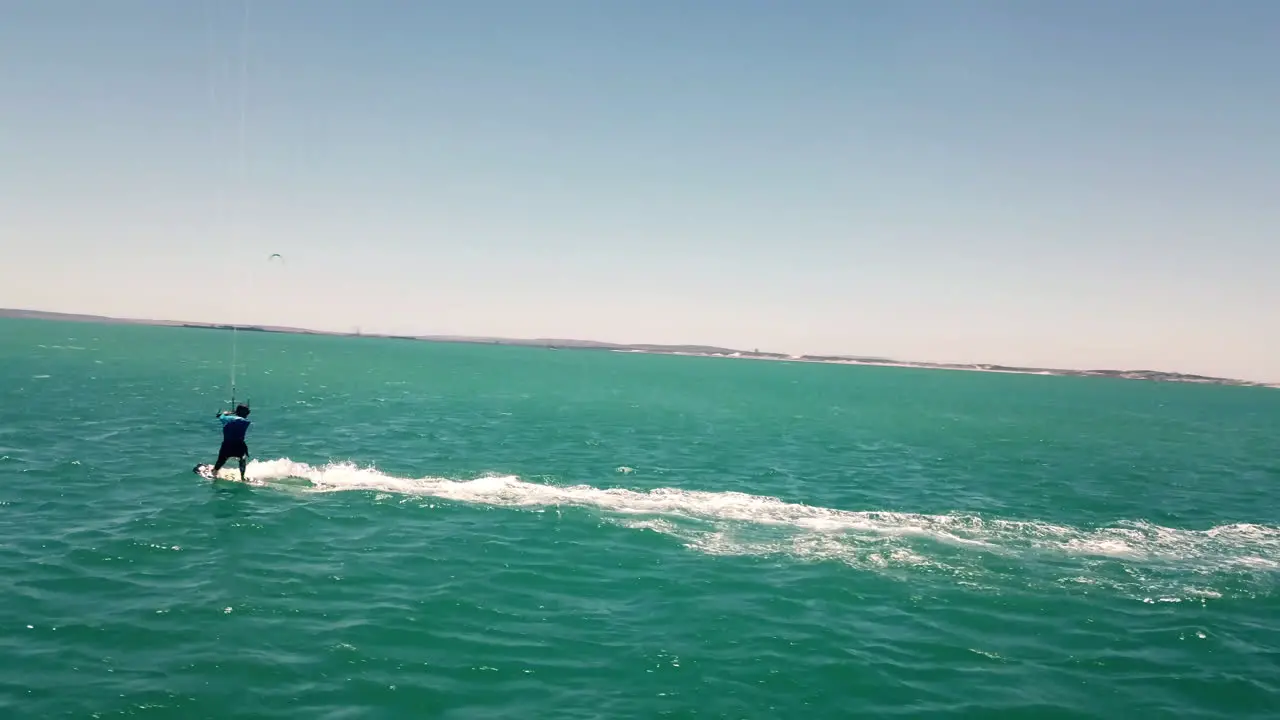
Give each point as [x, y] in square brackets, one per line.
[651, 349]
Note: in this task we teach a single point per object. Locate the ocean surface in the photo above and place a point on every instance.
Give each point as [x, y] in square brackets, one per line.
[470, 531]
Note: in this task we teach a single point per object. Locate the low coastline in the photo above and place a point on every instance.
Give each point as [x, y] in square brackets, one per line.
[651, 349]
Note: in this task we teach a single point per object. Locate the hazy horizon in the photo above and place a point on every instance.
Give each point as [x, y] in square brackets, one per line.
[586, 342]
[1078, 186]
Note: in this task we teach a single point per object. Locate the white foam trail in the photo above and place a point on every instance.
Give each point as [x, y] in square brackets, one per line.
[739, 523]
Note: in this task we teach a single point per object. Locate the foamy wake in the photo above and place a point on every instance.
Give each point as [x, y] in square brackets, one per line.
[742, 524]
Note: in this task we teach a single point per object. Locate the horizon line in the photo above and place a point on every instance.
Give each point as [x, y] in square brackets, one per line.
[684, 348]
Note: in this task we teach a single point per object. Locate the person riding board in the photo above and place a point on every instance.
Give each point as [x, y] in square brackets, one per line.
[234, 426]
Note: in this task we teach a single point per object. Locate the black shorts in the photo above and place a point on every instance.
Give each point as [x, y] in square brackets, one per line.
[232, 449]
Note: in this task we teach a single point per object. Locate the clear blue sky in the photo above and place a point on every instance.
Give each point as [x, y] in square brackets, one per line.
[1069, 184]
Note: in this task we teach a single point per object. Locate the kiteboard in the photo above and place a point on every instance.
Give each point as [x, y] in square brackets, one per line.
[226, 473]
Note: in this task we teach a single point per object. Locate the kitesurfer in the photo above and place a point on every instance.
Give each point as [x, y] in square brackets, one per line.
[234, 426]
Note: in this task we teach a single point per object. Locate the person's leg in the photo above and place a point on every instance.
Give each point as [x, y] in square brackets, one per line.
[244, 460]
[222, 460]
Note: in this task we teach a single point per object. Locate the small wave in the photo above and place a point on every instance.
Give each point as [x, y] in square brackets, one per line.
[736, 523]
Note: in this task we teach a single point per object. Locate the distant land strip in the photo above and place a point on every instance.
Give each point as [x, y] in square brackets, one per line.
[693, 350]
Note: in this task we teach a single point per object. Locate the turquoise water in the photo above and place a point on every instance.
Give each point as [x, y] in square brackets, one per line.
[461, 531]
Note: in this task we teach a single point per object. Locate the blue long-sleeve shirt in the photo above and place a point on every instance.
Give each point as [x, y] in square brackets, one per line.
[233, 426]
